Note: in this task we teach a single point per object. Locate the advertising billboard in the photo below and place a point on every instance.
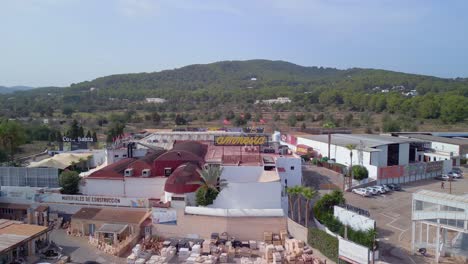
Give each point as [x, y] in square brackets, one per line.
[246, 140]
[91, 200]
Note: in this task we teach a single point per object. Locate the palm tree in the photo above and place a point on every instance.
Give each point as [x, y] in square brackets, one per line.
[351, 147]
[308, 193]
[211, 178]
[292, 191]
[298, 199]
[329, 126]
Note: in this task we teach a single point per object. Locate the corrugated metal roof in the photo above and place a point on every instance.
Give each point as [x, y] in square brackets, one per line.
[369, 141]
[112, 228]
[443, 196]
[453, 141]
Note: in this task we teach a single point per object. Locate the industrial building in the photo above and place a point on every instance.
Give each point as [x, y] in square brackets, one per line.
[21, 241]
[440, 223]
[441, 147]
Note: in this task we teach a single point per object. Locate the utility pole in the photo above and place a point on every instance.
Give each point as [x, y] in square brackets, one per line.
[450, 184]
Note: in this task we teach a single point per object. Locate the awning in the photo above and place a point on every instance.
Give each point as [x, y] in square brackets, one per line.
[61, 161]
[112, 228]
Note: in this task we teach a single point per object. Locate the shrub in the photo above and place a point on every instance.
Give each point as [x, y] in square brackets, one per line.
[315, 161]
[69, 181]
[325, 243]
[360, 172]
[205, 196]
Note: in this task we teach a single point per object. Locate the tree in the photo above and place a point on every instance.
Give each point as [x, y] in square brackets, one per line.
[67, 111]
[94, 137]
[75, 130]
[69, 181]
[156, 118]
[230, 115]
[12, 135]
[248, 116]
[210, 185]
[239, 121]
[293, 192]
[329, 126]
[180, 120]
[308, 194]
[454, 108]
[348, 118]
[88, 134]
[292, 120]
[350, 147]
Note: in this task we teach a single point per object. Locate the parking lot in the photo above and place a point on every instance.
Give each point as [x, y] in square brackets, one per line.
[392, 211]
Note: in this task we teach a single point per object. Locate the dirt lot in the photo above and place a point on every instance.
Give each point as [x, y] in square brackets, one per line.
[391, 211]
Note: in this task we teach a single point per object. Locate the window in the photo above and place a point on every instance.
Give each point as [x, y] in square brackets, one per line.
[116, 156]
[124, 155]
[292, 167]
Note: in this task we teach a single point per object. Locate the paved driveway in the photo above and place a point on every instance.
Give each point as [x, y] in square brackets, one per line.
[391, 211]
[80, 250]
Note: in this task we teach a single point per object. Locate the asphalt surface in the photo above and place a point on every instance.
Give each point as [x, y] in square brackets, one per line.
[392, 211]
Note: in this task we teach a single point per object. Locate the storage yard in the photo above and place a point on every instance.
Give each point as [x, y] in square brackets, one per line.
[276, 248]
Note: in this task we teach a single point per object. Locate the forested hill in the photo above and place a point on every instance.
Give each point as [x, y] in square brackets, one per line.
[7, 90]
[205, 86]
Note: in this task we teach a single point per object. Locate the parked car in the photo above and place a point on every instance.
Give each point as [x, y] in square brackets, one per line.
[380, 189]
[362, 192]
[445, 177]
[386, 187]
[454, 174]
[394, 187]
[458, 170]
[372, 190]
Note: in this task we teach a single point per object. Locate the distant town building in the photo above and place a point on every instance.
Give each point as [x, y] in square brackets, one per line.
[155, 100]
[279, 100]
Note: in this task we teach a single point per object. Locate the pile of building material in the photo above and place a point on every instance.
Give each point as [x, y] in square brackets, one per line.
[295, 251]
[255, 261]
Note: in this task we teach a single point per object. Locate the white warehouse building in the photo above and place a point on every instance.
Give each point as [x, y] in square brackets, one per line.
[371, 151]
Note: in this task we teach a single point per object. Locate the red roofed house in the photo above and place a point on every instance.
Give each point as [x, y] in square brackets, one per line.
[159, 174]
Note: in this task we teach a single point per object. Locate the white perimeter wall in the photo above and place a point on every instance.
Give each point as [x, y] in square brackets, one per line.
[262, 195]
[294, 176]
[352, 219]
[131, 187]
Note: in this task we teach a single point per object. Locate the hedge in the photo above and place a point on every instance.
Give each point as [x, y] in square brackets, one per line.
[360, 172]
[325, 243]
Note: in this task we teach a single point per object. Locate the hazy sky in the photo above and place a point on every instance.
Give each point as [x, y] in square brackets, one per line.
[58, 42]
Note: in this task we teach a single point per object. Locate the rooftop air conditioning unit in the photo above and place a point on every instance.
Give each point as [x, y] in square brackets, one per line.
[128, 172]
[146, 172]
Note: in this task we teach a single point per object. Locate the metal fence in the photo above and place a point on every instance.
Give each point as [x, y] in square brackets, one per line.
[33, 177]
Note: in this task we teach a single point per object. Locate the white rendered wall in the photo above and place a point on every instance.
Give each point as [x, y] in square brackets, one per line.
[139, 187]
[294, 176]
[103, 187]
[263, 195]
[444, 147]
[241, 173]
[132, 187]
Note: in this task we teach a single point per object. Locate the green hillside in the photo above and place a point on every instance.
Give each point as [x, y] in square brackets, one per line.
[229, 85]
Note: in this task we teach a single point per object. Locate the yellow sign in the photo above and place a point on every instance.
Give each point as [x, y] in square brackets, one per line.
[240, 140]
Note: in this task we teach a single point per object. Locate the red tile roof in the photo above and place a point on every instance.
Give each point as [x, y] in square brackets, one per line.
[113, 171]
[180, 180]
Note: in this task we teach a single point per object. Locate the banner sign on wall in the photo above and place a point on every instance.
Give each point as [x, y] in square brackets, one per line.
[164, 216]
[290, 139]
[91, 200]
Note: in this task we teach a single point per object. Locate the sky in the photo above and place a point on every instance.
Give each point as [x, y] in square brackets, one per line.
[59, 42]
